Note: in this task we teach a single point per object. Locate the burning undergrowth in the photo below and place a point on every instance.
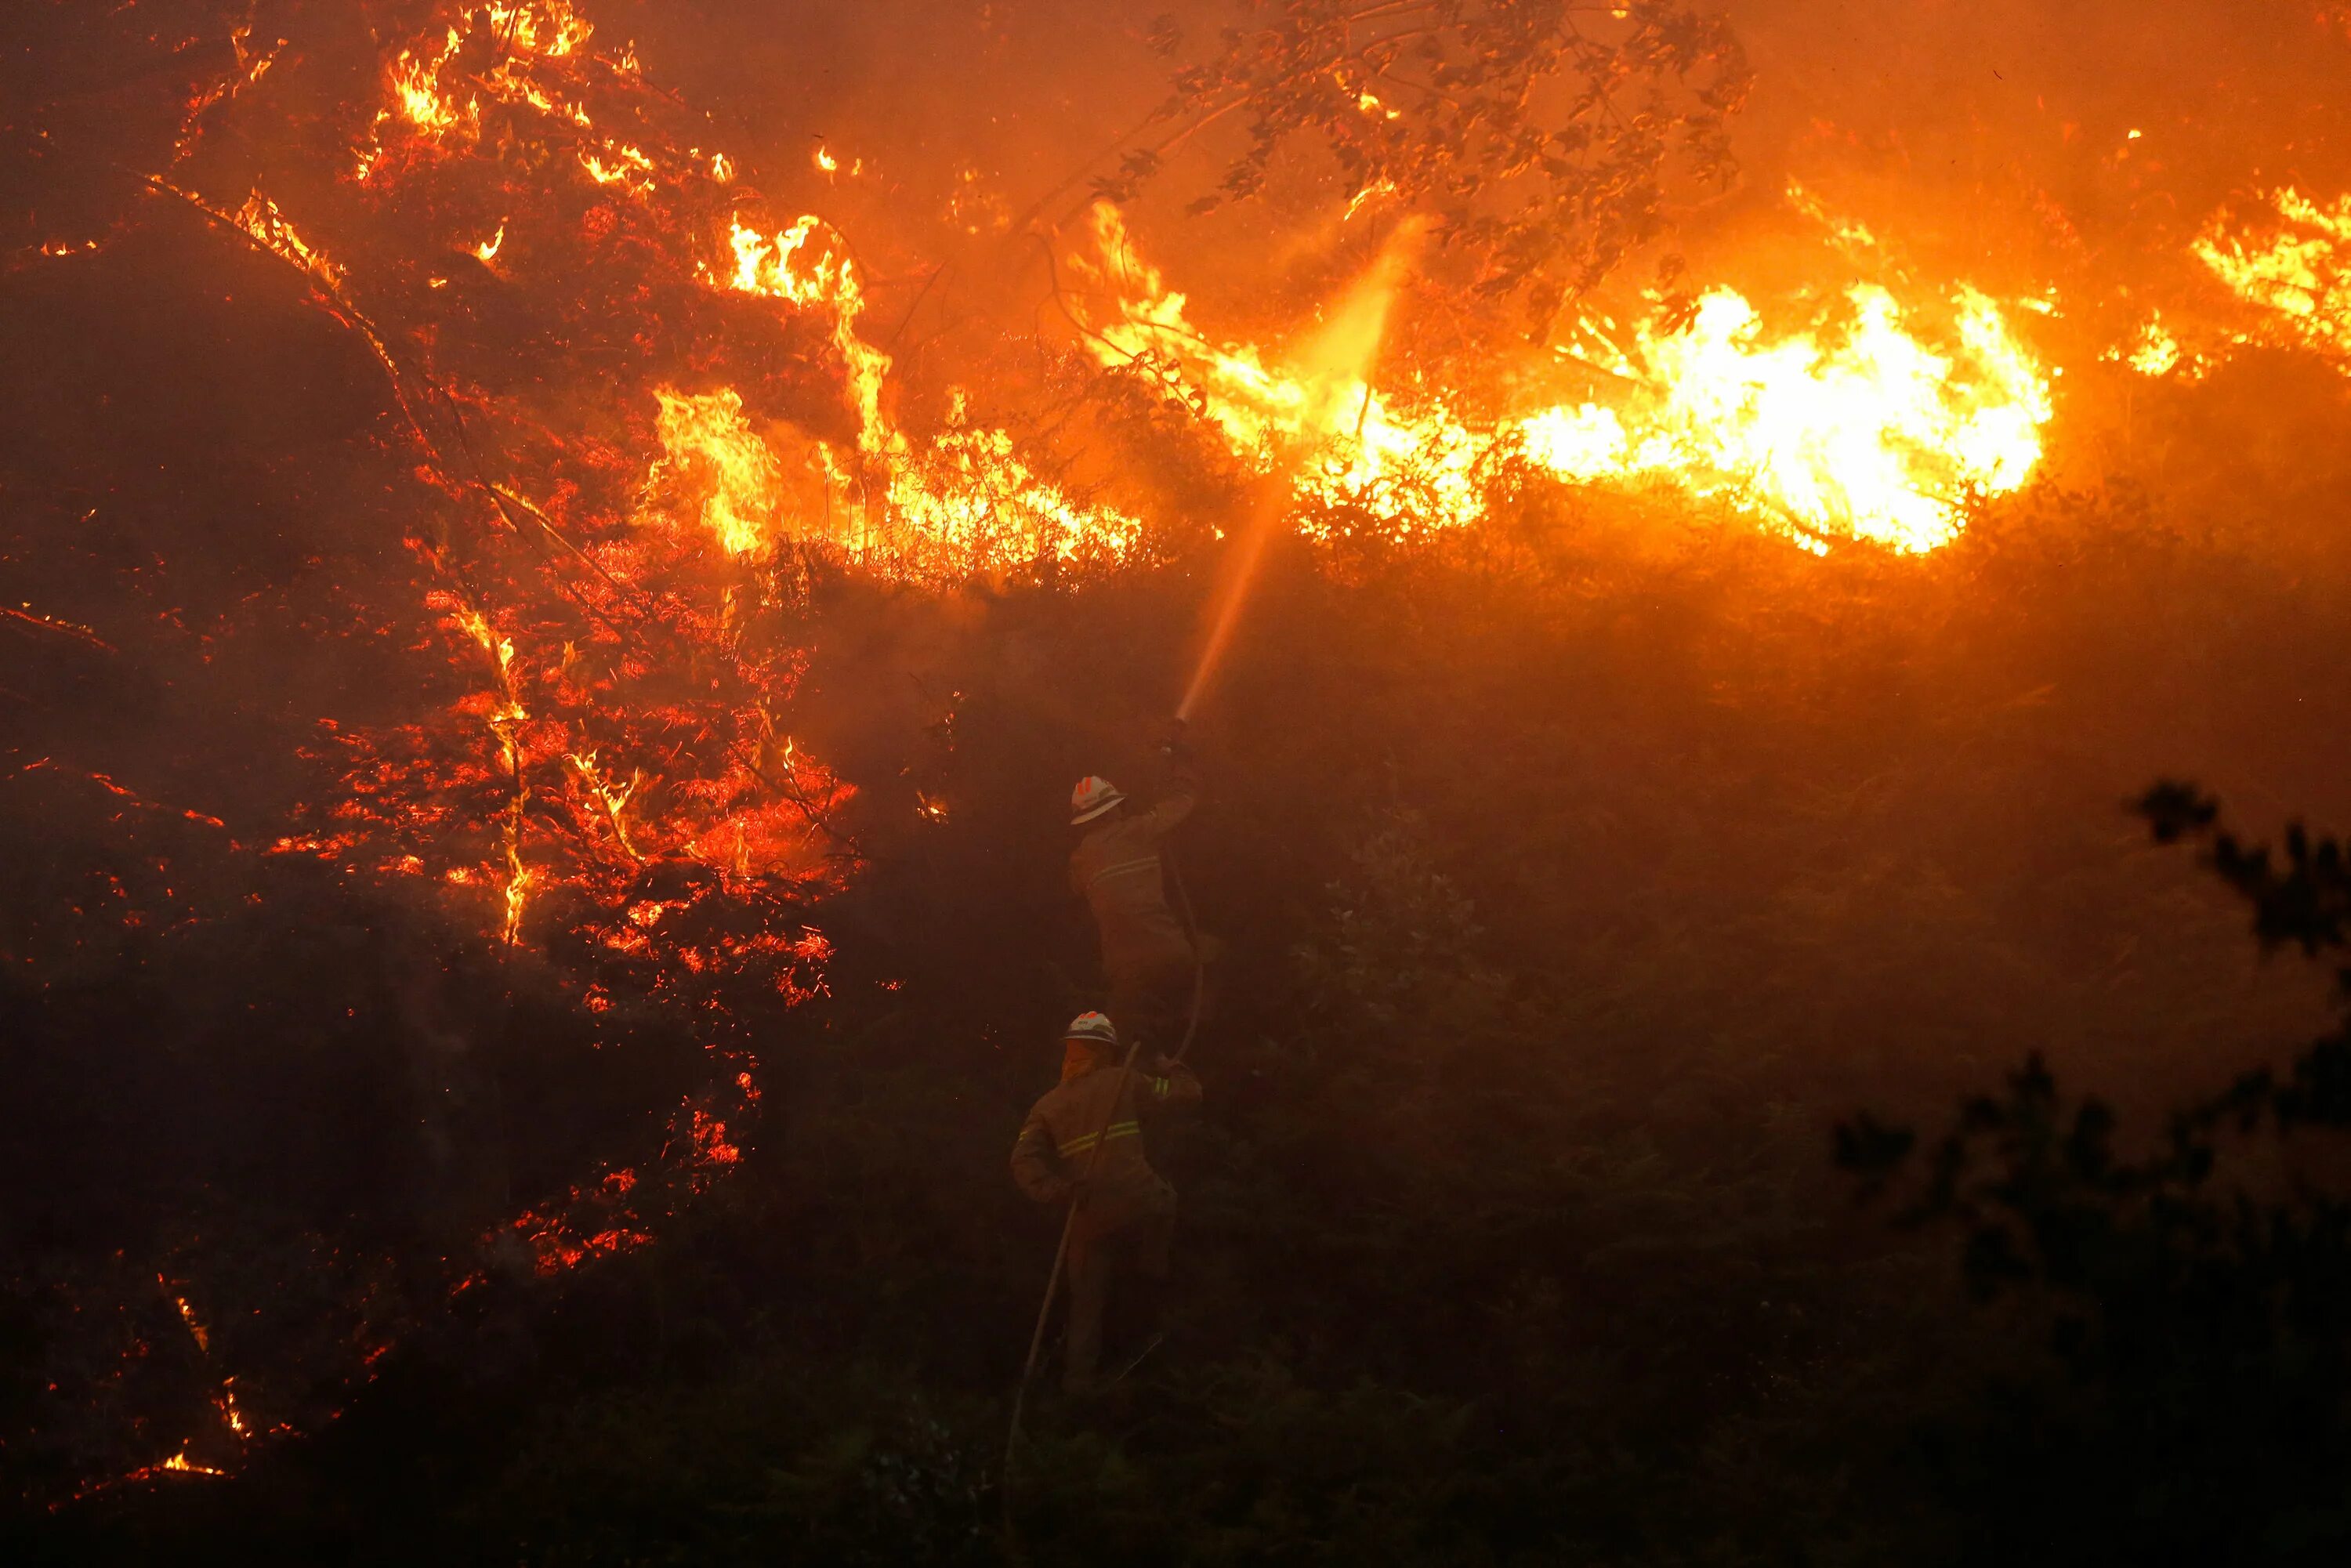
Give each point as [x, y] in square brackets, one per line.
[632, 412]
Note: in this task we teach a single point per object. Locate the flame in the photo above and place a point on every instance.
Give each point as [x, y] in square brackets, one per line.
[415, 83]
[614, 800]
[549, 27]
[710, 451]
[609, 535]
[231, 1415]
[260, 218]
[615, 164]
[504, 715]
[188, 1316]
[806, 266]
[418, 95]
[1864, 432]
[2298, 274]
[964, 492]
[1857, 429]
[2154, 351]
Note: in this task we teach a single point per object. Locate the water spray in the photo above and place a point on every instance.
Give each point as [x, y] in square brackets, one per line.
[1339, 360]
[1265, 515]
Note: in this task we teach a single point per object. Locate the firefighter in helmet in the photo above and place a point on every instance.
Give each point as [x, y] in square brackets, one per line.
[1084, 1141]
[1147, 955]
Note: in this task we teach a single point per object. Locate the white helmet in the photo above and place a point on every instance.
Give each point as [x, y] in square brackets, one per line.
[1090, 798]
[1094, 1028]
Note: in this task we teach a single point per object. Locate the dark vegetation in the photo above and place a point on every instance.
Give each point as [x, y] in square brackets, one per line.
[1574, 889]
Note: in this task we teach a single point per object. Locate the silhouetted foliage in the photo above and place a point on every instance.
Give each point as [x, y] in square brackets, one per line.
[2196, 1297]
[1544, 135]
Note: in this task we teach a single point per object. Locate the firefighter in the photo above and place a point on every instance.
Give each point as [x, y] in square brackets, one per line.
[1084, 1141]
[1146, 953]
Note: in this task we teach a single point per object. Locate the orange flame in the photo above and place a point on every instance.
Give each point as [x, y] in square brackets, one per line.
[963, 496]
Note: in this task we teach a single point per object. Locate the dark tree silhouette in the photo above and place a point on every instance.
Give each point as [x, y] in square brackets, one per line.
[2196, 1299]
[1541, 134]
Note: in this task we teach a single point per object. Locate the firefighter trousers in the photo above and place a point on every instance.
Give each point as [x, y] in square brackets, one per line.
[1129, 1263]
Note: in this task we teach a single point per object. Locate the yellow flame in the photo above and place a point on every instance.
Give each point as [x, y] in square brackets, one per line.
[505, 718]
[2299, 274]
[549, 27]
[1862, 432]
[487, 251]
[1867, 433]
[613, 798]
[964, 492]
[2154, 351]
[518, 880]
[709, 450]
[618, 164]
[417, 91]
[260, 218]
[806, 264]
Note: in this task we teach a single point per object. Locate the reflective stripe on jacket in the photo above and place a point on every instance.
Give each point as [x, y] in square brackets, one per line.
[1117, 868]
[1067, 1127]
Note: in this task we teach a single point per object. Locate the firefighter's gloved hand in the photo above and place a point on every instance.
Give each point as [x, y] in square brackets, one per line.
[1178, 743]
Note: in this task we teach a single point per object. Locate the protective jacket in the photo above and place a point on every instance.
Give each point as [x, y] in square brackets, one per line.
[1050, 1157]
[1116, 867]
